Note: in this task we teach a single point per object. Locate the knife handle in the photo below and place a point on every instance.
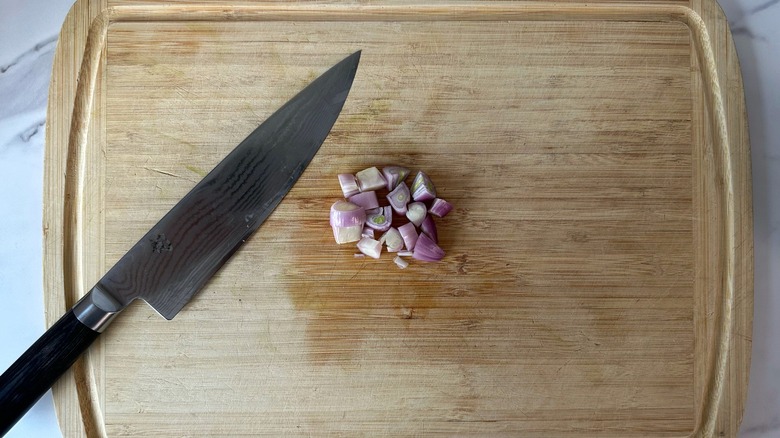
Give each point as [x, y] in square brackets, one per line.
[40, 366]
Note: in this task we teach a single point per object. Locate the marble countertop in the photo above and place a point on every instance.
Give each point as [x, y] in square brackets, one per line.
[28, 35]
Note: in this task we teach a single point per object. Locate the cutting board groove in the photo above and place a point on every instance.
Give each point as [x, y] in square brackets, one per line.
[598, 280]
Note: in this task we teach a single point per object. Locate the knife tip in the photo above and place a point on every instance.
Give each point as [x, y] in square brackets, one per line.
[354, 58]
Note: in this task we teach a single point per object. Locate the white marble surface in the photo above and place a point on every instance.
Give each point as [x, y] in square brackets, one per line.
[28, 31]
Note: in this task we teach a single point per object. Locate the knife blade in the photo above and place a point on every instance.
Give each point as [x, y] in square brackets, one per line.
[177, 256]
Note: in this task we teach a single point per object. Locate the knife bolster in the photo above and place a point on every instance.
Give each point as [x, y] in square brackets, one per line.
[94, 309]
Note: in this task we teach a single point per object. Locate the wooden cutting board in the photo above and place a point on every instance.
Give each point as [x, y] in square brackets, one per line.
[598, 278]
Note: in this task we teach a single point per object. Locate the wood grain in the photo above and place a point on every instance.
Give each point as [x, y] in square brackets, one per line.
[598, 280]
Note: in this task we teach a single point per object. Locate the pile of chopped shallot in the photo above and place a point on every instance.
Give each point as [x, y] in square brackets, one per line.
[360, 216]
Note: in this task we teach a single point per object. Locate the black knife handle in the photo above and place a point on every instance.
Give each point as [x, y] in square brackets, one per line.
[40, 366]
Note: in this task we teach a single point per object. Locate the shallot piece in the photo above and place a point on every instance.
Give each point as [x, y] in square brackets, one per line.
[349, 185]
[381, 220]
[370, 247]
[427, 250]
[440, 207]
[367, 200]
[393, 240]
[422, 188]
[416, 212]
[346, 214]
[347, 220]
[370, 179]
[398, 198]
[394, 175]
[403, 264]
[409, 235]
[429, 227]
[347, 234]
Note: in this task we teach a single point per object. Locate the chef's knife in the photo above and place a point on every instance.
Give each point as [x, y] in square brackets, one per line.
[193, 240]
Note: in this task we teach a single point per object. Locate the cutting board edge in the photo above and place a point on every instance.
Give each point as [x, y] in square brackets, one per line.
[84, 31]
[74, 393]
[733, 344]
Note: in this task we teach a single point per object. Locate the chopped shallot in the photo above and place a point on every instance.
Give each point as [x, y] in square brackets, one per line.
[416, 212]
[398, 198]
[393, 240]
[347, 221]
[349, 185]
[409, 234]
[422, 187]
[427, 250]
[359, 217]
[370, 247]
[380, 220]
[440, 207]
[367, 200]
[429, 227]
[403, 264]
[370, 179]
[394, 175]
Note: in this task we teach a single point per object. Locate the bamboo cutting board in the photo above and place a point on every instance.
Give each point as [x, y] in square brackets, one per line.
[598, 277]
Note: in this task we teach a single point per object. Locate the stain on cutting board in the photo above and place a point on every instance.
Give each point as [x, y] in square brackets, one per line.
[428, 311]
[348, 300]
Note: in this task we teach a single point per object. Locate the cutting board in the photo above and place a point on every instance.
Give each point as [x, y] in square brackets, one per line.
[598, 277]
